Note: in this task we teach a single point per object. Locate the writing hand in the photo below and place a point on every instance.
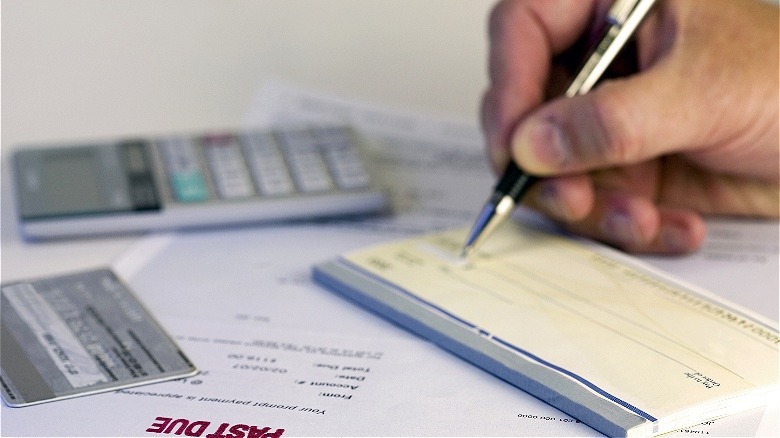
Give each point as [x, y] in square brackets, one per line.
[639, 160]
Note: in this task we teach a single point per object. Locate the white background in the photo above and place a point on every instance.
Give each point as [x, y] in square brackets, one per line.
[81, 69]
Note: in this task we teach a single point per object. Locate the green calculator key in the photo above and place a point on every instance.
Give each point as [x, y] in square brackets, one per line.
[189, 186]
[187, 179]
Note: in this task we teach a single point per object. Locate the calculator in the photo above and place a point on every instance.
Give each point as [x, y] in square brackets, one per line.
[188, 181]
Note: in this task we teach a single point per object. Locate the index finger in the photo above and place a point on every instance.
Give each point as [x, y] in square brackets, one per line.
[524, 36]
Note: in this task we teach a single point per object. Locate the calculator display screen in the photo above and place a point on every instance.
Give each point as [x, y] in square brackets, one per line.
[87, 179]
[72, 182]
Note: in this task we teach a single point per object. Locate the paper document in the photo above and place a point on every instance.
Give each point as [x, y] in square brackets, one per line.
[739, 261]
[267, 339]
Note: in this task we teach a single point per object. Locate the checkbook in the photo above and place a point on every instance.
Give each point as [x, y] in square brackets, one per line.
[616, 344]
[79, 334]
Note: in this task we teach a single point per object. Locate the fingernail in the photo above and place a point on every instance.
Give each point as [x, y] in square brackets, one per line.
[619, 228]
[541, 145]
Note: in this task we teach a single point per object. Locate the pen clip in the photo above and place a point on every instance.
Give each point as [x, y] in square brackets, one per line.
[624, 17]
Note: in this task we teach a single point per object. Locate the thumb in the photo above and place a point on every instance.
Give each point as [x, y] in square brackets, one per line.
[623, 121]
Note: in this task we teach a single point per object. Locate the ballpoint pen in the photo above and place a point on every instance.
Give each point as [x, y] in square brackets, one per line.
[623, 18]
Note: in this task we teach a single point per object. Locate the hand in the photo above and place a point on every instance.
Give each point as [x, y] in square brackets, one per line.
[639, 160]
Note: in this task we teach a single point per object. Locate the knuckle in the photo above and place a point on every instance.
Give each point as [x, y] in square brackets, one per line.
[502, 17]
[497, 17]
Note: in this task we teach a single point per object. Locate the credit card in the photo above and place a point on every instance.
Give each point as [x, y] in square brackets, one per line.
[78, 334]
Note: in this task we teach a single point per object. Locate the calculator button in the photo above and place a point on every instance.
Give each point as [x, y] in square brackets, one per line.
[139, 174]
[267, 165]
[228, 172]
[341, 155]
[188, 183]
[306, 162]
[347, 169]
[189, 187]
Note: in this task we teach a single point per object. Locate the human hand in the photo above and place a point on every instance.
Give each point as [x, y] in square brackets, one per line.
[639, 160]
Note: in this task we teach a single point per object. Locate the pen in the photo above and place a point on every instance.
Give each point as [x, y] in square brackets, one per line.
[623, 18]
